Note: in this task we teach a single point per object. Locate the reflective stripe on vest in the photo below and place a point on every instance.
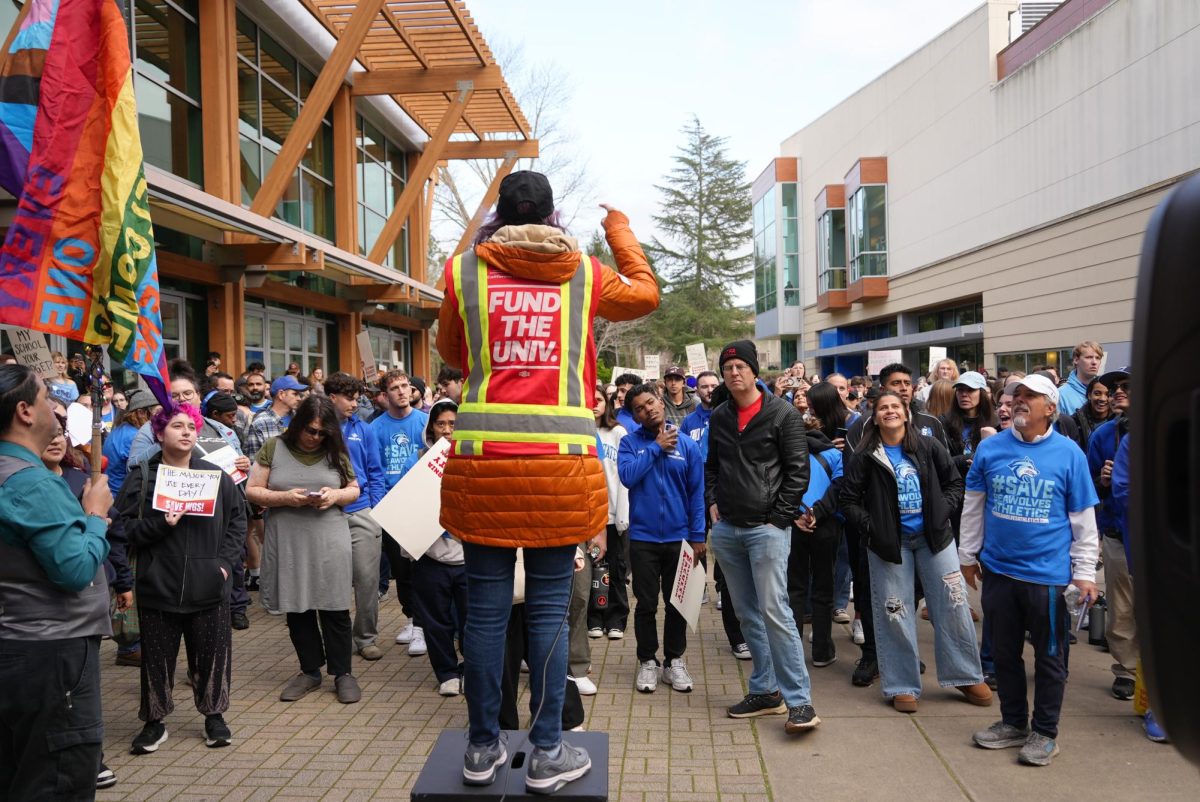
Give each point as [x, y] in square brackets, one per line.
[568, 423]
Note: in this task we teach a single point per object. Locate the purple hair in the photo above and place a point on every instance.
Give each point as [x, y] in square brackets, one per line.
[495, 222]
[158, 423]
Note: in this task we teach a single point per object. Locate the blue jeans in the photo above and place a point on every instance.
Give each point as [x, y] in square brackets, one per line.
[754, 561]
[841, 577]
[892, 601]
[548, 574]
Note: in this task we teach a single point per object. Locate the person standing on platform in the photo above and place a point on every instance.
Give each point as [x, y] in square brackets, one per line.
[523, 471]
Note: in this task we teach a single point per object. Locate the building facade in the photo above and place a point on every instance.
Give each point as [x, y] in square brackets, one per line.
[291, 149]
[987, 195]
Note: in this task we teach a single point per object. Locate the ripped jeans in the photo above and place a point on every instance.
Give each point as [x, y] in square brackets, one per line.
[955, 648]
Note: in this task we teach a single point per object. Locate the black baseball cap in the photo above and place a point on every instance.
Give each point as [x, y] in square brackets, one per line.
[525, 197]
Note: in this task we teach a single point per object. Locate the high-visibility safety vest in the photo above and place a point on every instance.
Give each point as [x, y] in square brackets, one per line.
[530, 373]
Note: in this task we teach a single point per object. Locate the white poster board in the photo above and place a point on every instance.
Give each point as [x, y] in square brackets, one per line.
[224, 458]
[936, 354]
[186, 490]
[411, 511]
[30, 349]
[367, 357]
[878, 360]
[652, 366]
[79, 424]
[697, 357]
[688, 590]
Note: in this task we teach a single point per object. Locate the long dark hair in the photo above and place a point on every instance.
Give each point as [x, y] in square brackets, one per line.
[319, 409]
[955, 420]
[825, 404]
[609, 419]
[872, 437]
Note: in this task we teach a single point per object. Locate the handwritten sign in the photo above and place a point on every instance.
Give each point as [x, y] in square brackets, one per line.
[367, 356]
[689, 586]
[30, 349]
[936, 354]
[652, 365]
[411, 511]
[878, 360]
[186, 490]
[224, 458]
[697, 357]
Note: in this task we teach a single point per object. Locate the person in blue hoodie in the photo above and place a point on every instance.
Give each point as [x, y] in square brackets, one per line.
[665, 477]
[366, 536]
[624, 383]
[1120, 627]
[1086, 360]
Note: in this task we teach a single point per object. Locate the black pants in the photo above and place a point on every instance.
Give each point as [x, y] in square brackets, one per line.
[516, 649]
[616, 615]
[1014, 608]
[329, 641]
[209, 643]
[654, 567]
[443, 592]
[729, 619]
[810, 567]
[239, 599]
[401, 569]
[51, 727]
[856, 549]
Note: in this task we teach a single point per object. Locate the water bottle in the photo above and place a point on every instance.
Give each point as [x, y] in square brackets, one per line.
[600, 583]
[1097, 622]
[1071, 596]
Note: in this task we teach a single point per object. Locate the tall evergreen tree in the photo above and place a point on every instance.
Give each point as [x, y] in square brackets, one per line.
[705, 215]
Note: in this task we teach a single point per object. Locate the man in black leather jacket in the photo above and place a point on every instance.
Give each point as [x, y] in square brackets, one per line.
[755, 476]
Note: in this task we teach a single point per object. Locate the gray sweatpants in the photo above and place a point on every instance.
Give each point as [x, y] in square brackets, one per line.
[365, 543]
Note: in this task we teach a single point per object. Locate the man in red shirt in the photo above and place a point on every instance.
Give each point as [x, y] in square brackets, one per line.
[755, 476]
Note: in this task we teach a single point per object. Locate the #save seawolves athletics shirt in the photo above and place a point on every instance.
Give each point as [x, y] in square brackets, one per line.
[1032, 489]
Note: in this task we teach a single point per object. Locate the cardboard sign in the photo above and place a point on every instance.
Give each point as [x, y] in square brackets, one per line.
[30, 349]
[224, 458]
[185, 490]
[411, 511]
[688, 590]
[697, 357]
[878, 360]
[652, 365]
[367, 357]
[936, 354]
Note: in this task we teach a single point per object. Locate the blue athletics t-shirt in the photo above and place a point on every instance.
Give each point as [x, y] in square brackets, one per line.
[908, 487]
[1032, 488]
[400, 442]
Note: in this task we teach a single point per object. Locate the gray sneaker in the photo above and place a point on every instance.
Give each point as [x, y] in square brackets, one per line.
[481, 763]
[1000, 736]
[1038, 750]
[546, 775]
[677, 674]
[647, 677]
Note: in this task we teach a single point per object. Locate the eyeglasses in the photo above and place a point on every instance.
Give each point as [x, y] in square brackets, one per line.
[312, 432]
[1122, 387]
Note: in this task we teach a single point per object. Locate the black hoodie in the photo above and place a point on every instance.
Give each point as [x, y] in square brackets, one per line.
[179, 567]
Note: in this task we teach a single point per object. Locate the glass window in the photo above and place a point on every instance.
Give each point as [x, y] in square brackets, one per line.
[167, 46]
[171, 130]
[254, 331]
[866, 226]
[382, 173]
[278, 332]
[831, 250]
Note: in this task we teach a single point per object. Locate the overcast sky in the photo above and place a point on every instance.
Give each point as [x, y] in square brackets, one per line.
[754, 72]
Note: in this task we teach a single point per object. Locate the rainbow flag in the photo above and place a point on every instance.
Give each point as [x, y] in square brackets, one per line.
[78, 259]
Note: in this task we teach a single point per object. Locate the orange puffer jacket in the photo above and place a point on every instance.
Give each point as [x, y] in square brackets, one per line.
[552, 500]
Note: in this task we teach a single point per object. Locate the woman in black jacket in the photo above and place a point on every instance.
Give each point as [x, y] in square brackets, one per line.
[899, 492]
[184, 566]
[1096, 411]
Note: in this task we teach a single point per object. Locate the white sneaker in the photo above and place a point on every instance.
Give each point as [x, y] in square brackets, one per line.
[856, 632]
[677, 674]
[647, 677]
[840, 616]
[704, 598]
[718, 601]
[616, 634]
[417, 646]
[586, 686]
[451, 687]
[596, 632]
[405, 635]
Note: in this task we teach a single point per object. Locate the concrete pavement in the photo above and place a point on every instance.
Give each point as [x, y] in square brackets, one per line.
[664, 745]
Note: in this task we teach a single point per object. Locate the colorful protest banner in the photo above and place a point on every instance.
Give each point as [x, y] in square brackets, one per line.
[411, 511]
[185, 490]
[78, 259]
[688, 590]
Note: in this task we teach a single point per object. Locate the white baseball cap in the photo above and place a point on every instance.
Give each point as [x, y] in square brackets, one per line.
[972, 379]
[1038, 384]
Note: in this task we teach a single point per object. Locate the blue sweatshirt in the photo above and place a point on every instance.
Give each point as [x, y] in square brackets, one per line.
[625, 418]
[1072, 395]
[365, 459]
[666, 491]
[116, 448]
[398, 442]
[695, 426]
[1102, 445]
